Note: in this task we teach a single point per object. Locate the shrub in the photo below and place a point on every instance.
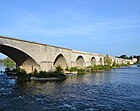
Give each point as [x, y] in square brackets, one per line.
[81, 71]
[107, 60]
[100, 68]
[7, 69]
[73, 69]
[44, 74]
[59, 69]
[22, 75]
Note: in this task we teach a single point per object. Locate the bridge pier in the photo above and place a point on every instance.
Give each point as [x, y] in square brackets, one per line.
[29, 68]
[46, 66]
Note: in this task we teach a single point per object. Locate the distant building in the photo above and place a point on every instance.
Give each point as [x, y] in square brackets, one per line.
[134, 60]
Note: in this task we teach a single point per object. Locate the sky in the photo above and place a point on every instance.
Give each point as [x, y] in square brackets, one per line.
[101, 26]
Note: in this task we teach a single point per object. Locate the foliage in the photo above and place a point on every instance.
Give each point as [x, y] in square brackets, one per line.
[126, 57]
[58, 73]
[22, 75]
[96, 68]
[59, 69]
[12, 72]
[128, 63]
[121, 65]
[44, 74]
[7, 69]
[107, 60]
[8, 62]
[34, 73]
[72, 69]
[78, 70]
[81, 71]
[138, 59]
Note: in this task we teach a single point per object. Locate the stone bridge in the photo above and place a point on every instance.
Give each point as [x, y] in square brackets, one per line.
[32, 55]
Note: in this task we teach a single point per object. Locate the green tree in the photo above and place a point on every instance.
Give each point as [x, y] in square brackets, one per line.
[138, 59]
[107, 60]
[130, 57]
[8, 62]
[123, 57]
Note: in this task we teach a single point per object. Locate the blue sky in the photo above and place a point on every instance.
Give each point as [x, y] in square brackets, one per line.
[101, 26]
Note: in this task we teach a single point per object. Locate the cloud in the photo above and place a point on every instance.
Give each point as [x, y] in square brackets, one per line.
[72, 25]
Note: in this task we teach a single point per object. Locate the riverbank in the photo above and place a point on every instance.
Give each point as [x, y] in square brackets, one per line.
[22, 75]
[94, 68]
[59, 74]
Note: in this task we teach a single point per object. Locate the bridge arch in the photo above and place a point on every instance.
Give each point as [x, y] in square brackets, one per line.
[93, 61]
[60, 61]
[21, 58]
[80, 62]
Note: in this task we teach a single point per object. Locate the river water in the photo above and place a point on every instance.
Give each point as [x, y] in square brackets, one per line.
[116, 90]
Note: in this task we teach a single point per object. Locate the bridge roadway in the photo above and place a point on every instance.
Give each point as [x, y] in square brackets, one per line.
[32, 55]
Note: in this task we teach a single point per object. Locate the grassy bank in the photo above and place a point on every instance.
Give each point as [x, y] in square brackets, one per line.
[95, 68]
[58, 73]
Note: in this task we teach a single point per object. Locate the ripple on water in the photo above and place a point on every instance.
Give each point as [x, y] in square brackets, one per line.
[109, 91]
[67, 106]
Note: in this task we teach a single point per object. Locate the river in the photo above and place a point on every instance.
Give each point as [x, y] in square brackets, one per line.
[116, 90]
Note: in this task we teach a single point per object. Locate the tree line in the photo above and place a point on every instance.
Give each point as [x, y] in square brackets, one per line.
[8, 62]
[130, 57]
